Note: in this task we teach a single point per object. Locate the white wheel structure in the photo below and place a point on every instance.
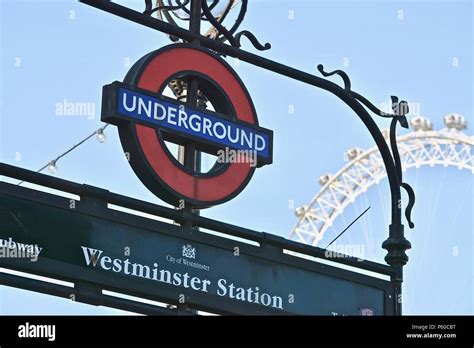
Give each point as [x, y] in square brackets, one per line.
[423, 146]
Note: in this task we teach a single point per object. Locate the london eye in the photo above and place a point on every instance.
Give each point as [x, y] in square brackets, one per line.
[450, 146]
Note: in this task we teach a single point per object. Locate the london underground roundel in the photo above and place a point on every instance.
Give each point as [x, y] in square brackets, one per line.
[146, 119]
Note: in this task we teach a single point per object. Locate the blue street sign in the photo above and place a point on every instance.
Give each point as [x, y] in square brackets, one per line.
[216, 130]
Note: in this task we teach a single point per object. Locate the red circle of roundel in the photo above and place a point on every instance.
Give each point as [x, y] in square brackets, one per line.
[199, 190]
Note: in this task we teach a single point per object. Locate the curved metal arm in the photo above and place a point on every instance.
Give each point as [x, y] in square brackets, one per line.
[354, 100]
[396, 244]
[398, 166]
[400, 109]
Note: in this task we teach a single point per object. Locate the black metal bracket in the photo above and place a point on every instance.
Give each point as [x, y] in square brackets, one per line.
[222, 33]
[396, 244]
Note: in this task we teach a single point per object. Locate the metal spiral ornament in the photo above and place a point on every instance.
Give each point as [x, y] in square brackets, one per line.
[215, 12]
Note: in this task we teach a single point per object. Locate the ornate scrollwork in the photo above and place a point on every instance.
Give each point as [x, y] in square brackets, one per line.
[342, 74]
[173, 10]
[149, 9]
[253, 40]
[400, 110]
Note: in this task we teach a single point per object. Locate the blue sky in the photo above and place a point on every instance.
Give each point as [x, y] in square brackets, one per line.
[53, 51]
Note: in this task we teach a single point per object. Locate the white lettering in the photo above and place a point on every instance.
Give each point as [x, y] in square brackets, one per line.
[103, 261]
[262, 140]
[163, 112]
[197, 126]
[134, 101]
[182, 117]
[237, 131]
[223, 134]
[142, 106]
[171, 115]
[184, 280]
[222, 291]
[91, 255]
[248, 139]
[207, 126]
[37, 331]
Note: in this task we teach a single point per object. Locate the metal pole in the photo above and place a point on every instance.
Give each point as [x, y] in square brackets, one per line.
[396, 244]
[192, 158]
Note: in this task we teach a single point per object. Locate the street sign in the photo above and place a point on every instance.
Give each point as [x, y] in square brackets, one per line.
[207, 128]
[96, 247]
[85, 241]
[146, 119]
